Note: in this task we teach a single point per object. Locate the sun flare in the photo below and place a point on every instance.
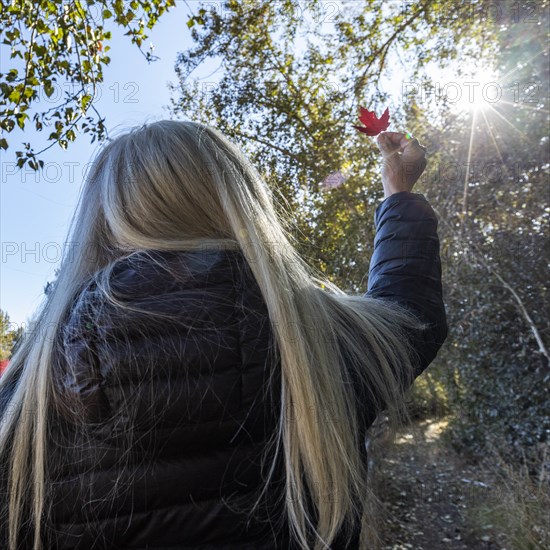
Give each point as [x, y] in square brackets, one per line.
[477, 89]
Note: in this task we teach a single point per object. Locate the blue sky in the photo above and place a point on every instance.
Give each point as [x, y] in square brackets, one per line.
[36, 209]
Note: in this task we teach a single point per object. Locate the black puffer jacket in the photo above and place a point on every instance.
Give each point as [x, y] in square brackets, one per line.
[203, 414]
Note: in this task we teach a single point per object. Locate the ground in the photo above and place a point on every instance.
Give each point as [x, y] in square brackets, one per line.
[427, 492]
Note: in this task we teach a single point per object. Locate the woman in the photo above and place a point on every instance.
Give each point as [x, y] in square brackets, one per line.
[191, 382]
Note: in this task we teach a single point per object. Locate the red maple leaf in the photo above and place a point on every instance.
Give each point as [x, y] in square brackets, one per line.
[373, 125]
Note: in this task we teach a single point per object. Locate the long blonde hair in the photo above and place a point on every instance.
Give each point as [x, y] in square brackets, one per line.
[180, 185]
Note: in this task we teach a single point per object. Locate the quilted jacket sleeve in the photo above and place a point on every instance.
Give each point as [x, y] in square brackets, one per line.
[406, 267]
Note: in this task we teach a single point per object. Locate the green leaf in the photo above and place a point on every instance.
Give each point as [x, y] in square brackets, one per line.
[12, 75]
[48, 88]
[21, 117]
[14, 96]
[85, 101]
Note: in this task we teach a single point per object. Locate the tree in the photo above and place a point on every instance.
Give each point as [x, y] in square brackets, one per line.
[10, 336]
[63, 50]
[289, 92]
[495, 213]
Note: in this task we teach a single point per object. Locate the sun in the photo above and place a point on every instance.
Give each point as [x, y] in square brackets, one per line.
[467, 86]
[474, 89]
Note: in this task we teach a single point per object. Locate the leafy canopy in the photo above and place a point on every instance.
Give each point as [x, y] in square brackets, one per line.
[58, 50]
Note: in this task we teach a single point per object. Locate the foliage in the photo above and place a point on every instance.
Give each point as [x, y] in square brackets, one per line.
[9, 336]
[517, 506]
[289, 92]
[63, 50]
[495, 243]
[429, 398]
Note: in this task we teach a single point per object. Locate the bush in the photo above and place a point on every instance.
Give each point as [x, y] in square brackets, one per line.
[428, 398]
[517, 507]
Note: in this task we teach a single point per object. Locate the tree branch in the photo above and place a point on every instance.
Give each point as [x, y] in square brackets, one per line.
[268, 144]
[507, 286]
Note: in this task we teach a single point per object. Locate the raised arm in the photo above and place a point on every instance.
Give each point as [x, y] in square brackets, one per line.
[405, 266]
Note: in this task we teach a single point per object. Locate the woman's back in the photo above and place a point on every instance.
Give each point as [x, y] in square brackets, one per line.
[199, 393]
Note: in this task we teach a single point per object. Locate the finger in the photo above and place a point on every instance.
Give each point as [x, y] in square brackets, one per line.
[389, 142]
[393, 138]
[413, 147]
[392, 141]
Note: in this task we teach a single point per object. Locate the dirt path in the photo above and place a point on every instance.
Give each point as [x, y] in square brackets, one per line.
[427, 492]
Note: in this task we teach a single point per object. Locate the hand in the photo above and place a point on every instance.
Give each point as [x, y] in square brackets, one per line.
[403, 161]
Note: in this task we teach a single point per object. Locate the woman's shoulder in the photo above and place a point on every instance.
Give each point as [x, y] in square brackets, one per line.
[155, 281]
